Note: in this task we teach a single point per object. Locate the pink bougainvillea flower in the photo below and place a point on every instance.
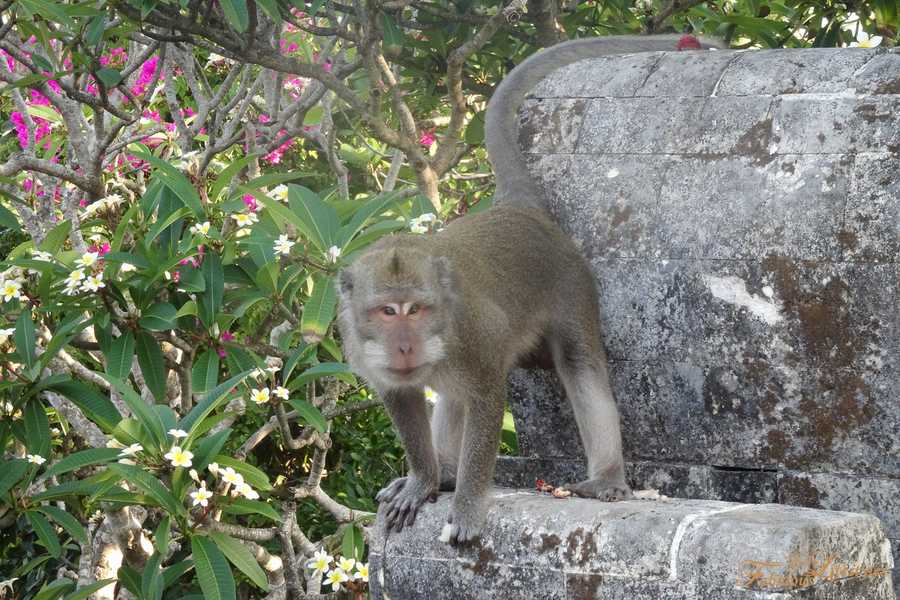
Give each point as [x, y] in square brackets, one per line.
[227, 336]
[250, 202]
[427, 138]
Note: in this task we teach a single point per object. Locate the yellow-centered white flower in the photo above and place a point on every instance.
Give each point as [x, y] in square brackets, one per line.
[36, 459]
[282, 392]
[283, 245]
[88, 259]
[280, 193]
[202, 495]
[362, 572]
[12, 290]
[201, 228]
[231, 476]
[131, 450]
[93, 283]
[178, 457]
[178, 433]
[260, 396]
[346, 564]
[245, 219]
[336, 577]
[320, 561]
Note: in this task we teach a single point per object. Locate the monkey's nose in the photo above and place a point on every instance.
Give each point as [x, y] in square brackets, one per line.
[405, 348]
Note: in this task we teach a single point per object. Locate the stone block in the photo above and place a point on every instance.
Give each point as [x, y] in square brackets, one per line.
[602, 77]
[800, 71]
[835, 124]
[537, 546]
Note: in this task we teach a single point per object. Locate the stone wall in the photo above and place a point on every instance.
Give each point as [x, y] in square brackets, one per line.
[741, 211]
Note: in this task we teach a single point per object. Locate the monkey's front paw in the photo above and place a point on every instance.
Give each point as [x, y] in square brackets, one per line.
[462, 527]
[402, 499]
[601, 489]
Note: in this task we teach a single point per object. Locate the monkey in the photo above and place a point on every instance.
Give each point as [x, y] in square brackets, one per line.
[457, 309]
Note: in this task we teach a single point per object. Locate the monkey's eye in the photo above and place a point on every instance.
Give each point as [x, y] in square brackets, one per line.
[413, 309]
[388, 310]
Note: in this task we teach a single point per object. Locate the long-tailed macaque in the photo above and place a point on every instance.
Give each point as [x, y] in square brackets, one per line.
[458, 309]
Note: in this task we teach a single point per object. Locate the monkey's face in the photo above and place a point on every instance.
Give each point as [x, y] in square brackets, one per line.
[395, 314]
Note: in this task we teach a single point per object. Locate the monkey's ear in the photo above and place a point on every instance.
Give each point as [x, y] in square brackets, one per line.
[344, 283]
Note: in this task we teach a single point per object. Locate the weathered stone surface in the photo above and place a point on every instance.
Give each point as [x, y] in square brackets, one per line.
[808, 71]
[536, 546]
[741, 211]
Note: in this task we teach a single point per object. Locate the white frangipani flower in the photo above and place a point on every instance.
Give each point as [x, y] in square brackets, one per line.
[178, 457]
[36, 459]
[88, 259]
[178, 433]
[202, 496]
[5, 334]
[245, 219]
[336, 577]
[332, 254]
[11, 290]
[131, 450]
[280, 193]
[362, 572]
[282, 392]
[229, 475]
[283, 245]
[201, 228]
[320, 562]
[260, 396]
[93, 283]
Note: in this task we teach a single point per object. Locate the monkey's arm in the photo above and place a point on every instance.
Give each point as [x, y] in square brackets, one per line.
[405, 495]
[514, 183]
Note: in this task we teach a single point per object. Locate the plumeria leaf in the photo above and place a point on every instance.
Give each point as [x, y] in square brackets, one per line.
[153, 366]
[54, 590]
[66, 521]
[37, 428]
[353, 544]
[238, 555]
[319, 311]
[26, 339]
[244, 506]
[205, 373]
[45, 532]
[175, 181]
[211, 299]
[159, 317]
[213, 572]
[310, 414]
[374, 207]
[95, 406]
[87, 591]
[120, 356]
[57, 236]
[110, 77]
[12, 471]
[236, 13]
[148, 417]
[327, 369]
[150, 485]
[213, 400]
[81, 459]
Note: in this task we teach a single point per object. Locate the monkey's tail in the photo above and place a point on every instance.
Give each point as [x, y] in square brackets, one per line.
[514, 184]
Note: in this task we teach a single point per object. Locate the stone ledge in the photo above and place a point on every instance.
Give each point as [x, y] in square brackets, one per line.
[535, 546]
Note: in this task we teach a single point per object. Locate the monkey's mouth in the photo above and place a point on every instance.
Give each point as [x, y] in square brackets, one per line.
[403, 372]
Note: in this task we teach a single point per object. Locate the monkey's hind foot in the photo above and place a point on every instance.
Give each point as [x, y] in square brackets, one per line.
[402, 499]
[461, 528]
[601, 489]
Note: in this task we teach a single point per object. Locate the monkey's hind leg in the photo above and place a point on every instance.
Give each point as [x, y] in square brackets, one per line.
[405, 495]
[581, 366]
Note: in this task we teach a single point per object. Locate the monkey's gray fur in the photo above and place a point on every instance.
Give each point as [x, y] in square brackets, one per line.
[458, 309]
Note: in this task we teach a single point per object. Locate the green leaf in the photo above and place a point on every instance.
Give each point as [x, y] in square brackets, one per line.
[321, 219]
[37, 428]
[310, 414]
[54, 589]
[153, 366]
[120, 356]
[238, 554]
[12, 471]
[228, 173]
[85, 592]
[57, 236]
[8, 219]
[45, 532]
[393, 35]
[213, 572]
[159, 317]
[243, 506]
[149, 418]
[163, 535]
[26, 340]
[252, 475]
[236, 13]
[211, 299]
[353, 545]
[84, 487]
[81, 459]
[209, 447]
[96, 407]
[475, 130]
[271, 8]
[313, 8]
[205, 373]
[172, 573]
[96, 27]
[151, 486]
[151, 581]
[188, 308]
[376, 206]
[327, 369]
[67, 521]
[165, 223]
[215, 397]
[175, 181]
[319, 310]
[110, 77]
